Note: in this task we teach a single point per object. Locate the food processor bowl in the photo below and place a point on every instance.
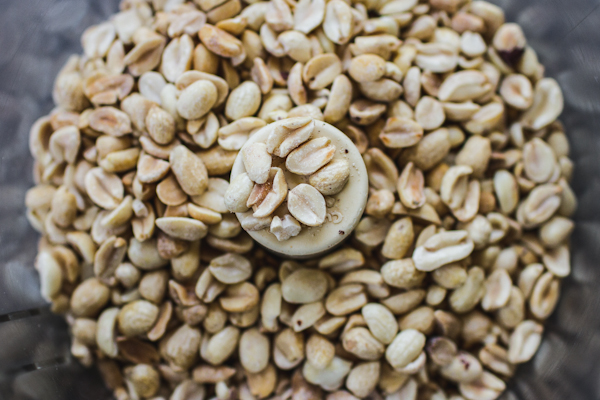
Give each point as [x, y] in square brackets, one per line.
[37, 36]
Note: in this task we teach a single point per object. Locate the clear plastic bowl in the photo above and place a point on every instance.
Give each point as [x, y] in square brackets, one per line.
[36, 37]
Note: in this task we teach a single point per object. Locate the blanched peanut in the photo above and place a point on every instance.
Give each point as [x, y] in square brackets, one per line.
[464, 235]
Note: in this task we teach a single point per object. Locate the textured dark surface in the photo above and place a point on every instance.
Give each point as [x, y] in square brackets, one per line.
[36, 37]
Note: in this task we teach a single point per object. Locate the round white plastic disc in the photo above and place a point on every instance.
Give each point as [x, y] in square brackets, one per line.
[341, 218]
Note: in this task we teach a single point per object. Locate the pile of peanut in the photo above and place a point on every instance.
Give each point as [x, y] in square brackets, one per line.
[443, 287]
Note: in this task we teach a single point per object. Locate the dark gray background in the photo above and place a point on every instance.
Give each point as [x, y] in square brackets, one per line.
[36, 37]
